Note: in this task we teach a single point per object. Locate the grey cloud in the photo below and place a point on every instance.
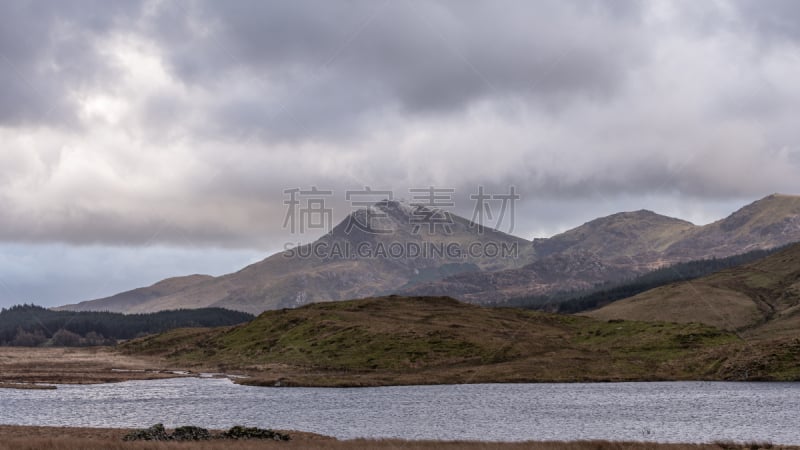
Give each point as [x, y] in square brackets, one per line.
[48, 54]
[321, 66]
[774, 19]
[565, 100]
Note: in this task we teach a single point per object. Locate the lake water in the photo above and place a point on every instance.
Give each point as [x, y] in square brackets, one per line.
[668, 412]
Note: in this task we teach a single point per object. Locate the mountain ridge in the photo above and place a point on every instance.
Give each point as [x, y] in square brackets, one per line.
[628, 249]
[606, 249]
[299, 276]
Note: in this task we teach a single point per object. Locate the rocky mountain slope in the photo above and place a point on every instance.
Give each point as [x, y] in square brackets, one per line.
[349, 262]
[624, 245]
[607, 249]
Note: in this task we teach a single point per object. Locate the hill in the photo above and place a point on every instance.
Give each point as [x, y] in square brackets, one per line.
[760, 299]
[770, 222]
[415, 340]
[615, 248]
[626, 238]
[30, 325]
[571, 302]
[606, 250]
[130, 300]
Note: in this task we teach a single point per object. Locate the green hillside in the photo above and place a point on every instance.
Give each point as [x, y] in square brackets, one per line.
[412, 340]
[760, 300]
[574, 302]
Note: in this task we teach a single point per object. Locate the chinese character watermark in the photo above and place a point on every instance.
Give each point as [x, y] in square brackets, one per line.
[429, 203]
[313, 215]
[483, 209]
[366, 216]
[427, 211]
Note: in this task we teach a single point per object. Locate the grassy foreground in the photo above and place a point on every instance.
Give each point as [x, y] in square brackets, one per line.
[59, 438]
[425, 340]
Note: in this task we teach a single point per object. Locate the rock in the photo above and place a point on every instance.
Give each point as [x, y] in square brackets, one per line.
[154, 433]
[190, 433]
[240, 432]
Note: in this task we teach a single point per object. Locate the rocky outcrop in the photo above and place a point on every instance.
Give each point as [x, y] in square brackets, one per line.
[192, 433]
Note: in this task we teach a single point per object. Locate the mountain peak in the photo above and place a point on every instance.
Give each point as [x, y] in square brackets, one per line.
[779, 210]
[643, 216]
[769, 222]
[620, 234]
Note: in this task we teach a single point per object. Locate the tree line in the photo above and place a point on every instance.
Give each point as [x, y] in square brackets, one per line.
[570, 302]
[32, 326]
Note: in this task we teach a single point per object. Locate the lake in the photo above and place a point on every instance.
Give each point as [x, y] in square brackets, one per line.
[667, 412]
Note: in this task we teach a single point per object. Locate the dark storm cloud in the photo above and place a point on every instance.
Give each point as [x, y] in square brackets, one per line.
[48, 54]
[183, 122]
[321, 65]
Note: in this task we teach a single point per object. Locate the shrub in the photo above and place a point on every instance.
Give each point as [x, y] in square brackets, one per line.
[239, 432]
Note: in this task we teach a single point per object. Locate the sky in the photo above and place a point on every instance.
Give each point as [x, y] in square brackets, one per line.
[143, 140]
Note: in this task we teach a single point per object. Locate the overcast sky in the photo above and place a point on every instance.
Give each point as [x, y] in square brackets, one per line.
[141, 140]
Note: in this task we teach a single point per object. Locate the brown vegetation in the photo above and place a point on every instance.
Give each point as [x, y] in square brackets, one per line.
[21, 367]
[429, 340]
[760, 301]
[57, 438]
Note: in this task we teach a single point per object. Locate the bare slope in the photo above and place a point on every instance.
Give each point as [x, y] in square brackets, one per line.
[624, 245]
[332, 267]
[770, 222]
[128, 301]
[761, 299]
[629, 238]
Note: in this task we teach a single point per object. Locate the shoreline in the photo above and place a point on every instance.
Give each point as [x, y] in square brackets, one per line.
[61, 438]
[26, 367]
[41, 368]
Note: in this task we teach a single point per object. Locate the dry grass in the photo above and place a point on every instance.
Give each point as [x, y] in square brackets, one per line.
[684, 303]
[25, 386]
[74, 366]
[55, 438]
[761, 300]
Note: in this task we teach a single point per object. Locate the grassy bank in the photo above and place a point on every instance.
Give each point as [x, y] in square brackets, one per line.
[60, 438]
[25, 367]
[26, 386]
[400, 340]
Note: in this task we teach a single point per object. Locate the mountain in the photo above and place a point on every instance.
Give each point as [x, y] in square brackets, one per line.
[577, 270]
[373, 251]
[129, 300]
[625, 245]
[574, 302]
[770, 222]
[628, 238]
[608, 249]
[760, 299]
